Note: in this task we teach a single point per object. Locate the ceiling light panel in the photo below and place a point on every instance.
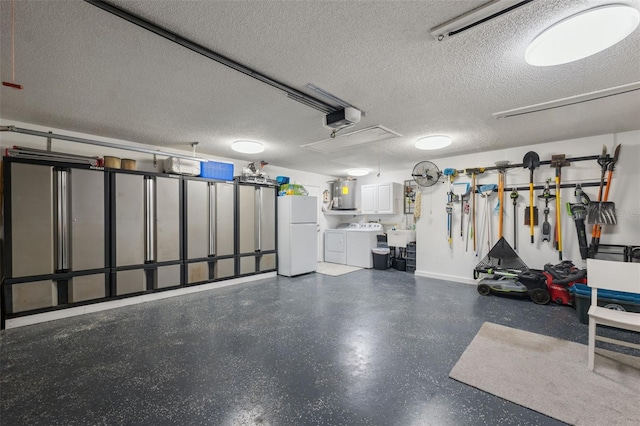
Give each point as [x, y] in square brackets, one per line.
[582, 35]
[358, 172]
[433, 142]
[353, 139]
[247, 147]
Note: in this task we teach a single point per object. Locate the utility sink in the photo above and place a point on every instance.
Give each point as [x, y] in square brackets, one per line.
[400, 238]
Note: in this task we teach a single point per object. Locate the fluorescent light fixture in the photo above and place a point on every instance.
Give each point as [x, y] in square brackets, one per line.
[352, 139]
[582, 35]
[358, 172]
[247, 147]
[475, 17]
[571, 100]
[433, 142]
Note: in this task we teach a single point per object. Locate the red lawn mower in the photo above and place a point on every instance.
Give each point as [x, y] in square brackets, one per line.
[560, 278]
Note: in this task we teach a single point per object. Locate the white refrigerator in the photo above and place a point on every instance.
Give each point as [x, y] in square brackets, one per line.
[297, 235]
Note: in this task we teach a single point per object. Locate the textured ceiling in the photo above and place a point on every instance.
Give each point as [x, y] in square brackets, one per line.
[86, 70]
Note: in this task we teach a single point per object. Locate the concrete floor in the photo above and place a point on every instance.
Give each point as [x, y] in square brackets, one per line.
[366, 348]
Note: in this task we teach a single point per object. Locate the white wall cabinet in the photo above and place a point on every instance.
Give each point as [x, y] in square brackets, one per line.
[383, 198]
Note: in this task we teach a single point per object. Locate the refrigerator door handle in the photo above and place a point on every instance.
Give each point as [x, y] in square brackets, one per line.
[256, 217]
[62, 219]
[212, 219]
[150, 218]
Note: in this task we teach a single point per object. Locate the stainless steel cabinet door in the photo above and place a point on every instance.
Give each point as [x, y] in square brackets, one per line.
[32, 220]
[130, 242]
[267, 218]
[167, 219]
[197, 219]
[247, 218]
[87, 219]
[225, 219]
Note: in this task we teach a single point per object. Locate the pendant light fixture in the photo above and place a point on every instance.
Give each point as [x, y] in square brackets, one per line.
[582, 35]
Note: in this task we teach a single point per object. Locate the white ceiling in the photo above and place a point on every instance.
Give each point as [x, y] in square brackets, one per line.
[86, 70]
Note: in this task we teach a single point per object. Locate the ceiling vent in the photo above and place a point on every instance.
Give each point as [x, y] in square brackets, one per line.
[352, 139]
[571, 100]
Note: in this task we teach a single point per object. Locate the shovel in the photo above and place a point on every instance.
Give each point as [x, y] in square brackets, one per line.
[597, 229]
[530, 161]
[602, 211]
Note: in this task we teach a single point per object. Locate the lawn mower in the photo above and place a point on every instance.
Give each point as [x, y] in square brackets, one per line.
[516, 283]
[560, 277]
[509, 276]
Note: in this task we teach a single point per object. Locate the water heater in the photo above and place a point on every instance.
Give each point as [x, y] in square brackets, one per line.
[343, 193]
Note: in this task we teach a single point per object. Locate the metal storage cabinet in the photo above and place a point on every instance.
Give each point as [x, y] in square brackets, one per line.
[55, 250]
[256, 228]
[210, 230]
[146, 231]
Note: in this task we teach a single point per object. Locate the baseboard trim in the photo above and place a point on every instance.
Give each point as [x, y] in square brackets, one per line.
[135, 300]
[446, 277]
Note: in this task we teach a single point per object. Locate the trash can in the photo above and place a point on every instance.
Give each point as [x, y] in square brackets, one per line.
[381, 259]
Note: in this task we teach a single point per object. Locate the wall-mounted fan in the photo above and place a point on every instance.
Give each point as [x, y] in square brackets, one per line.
[425, 173]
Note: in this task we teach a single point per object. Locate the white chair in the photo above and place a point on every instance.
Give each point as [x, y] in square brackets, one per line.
[618, 276]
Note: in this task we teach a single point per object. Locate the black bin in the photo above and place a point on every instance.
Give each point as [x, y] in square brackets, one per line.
[381, 259]
[399, 264]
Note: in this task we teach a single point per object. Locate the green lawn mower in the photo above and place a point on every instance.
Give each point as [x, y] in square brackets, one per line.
[510, 276]
[521, 284]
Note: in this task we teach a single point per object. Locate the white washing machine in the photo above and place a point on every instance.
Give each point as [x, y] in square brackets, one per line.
[360, 242]
[335, 243]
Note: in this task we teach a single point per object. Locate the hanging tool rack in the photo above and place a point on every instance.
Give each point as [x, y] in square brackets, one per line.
[545, 162]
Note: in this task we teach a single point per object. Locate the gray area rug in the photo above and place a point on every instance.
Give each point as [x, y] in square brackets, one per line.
[550, 376]
[335, 269]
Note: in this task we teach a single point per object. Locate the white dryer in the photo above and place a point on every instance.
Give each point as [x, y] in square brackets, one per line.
[335, 243]
[360, 242]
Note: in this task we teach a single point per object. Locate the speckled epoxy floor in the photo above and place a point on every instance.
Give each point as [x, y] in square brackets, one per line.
[366, 348]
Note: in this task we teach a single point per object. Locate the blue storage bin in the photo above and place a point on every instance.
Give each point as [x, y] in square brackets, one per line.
[216, 170]
[619, 300]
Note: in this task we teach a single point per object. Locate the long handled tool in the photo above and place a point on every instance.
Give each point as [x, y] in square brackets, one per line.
[531, 161]
[485, 192]
[601, 212]
[514, 198]
[596, 241]
[559, 161]
[472, 230]
[451, 173]
[579, 212]
[466, 211]
[460, 190]
[546, 226]
[501, 165]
